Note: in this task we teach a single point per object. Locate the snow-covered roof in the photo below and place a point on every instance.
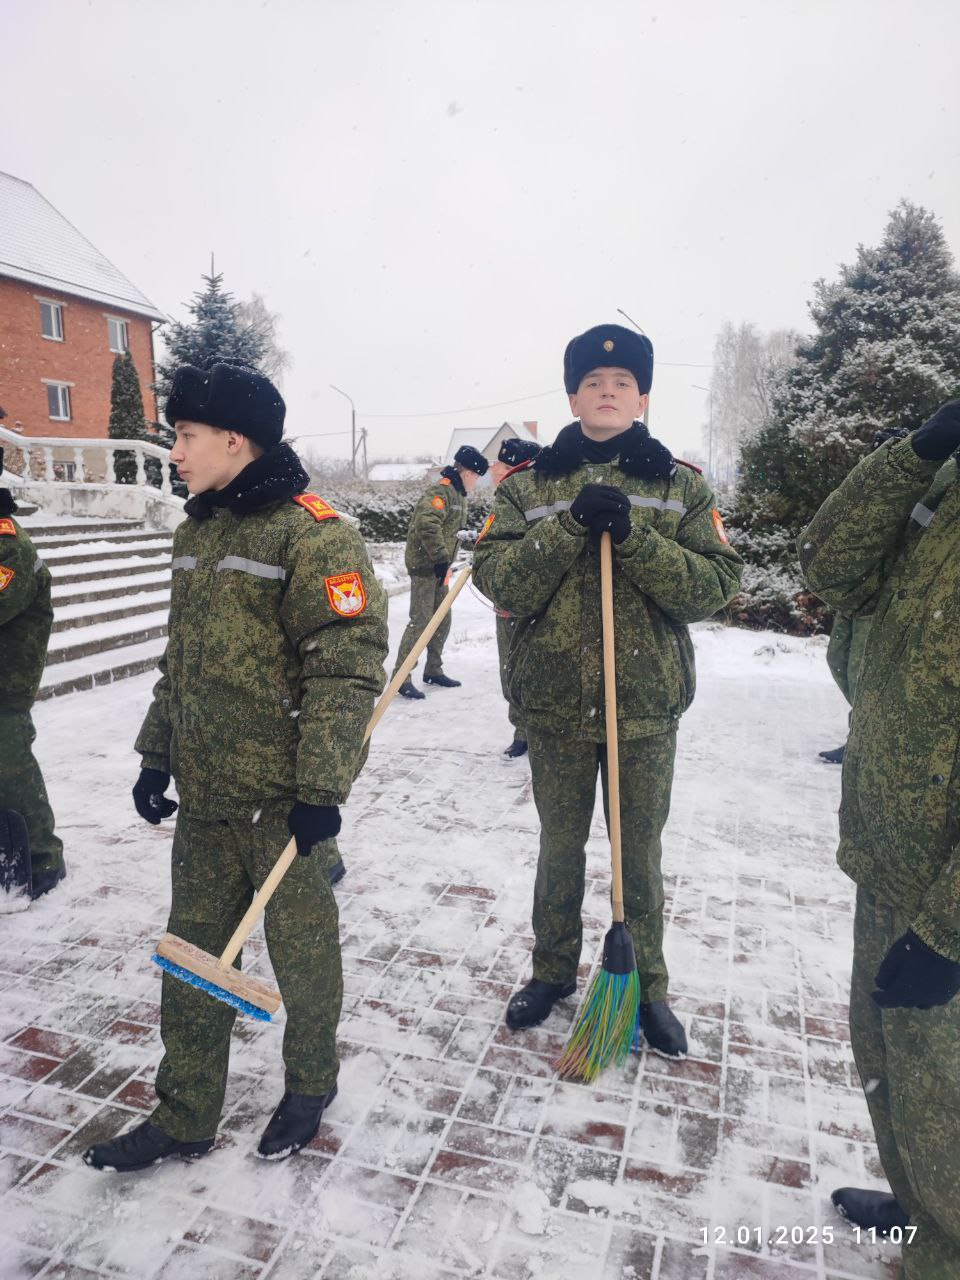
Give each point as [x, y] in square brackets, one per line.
[38, 245]
[483, 439]
[397, 471]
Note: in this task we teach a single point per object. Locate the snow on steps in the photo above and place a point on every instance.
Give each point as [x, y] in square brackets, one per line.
[111, 594]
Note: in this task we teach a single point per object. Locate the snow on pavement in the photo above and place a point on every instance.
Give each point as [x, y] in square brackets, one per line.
[452, 1150]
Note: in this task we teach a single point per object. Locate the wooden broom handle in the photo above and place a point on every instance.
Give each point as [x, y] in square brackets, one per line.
[282, 865]
[610, 715]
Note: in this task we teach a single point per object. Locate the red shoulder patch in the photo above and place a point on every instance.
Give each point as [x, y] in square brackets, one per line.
[319, 509]
[521, 466]
[445, 480]
[438, 502]
[692, 465]
[8, 527]
[487, 526]
[346, 594]
[6, 577]
[718, 525]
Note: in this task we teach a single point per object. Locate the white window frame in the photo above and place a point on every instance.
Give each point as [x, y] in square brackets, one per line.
[56, 309]
[125, 331]
[64, 398]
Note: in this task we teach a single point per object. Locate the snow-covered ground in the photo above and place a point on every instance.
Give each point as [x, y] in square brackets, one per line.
[452, 1150]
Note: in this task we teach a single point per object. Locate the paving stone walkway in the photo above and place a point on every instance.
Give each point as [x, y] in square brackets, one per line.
[452, 1149]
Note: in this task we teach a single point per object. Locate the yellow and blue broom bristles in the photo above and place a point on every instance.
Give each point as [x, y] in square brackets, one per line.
[607, 1028]
[211, 988]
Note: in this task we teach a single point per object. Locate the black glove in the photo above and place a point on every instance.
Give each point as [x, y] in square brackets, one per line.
[148, 796]
[940, 435]
[891, 433]
[601, 509]
[440, 569]
[914, 976]
[311, 823]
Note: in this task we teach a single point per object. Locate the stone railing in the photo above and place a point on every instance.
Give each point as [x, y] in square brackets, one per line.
[76, 477]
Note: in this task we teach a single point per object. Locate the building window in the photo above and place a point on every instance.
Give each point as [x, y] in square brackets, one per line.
[117, 331]
[51, 321]
[58, 401]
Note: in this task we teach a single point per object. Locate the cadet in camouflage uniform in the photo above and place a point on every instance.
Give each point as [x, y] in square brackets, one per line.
[538, 558]
[26, 617]
[513, 454]
[431, 547]
[888, 540]
[275, 656]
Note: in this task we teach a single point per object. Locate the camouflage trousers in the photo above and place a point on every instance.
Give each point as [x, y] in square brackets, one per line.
[22, 788]
[426, 596]
[217, 865]
[505, 627]
[564, 774]
[908, 1058]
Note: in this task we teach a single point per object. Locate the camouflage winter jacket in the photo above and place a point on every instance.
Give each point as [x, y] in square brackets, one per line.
[889, 540]
[26, 615]
[537, 563]
[432, 535]
[845, 652]
[275, 655]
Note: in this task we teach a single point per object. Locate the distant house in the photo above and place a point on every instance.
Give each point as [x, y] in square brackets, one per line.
[489, 445]
[65, 312]
[384, 472]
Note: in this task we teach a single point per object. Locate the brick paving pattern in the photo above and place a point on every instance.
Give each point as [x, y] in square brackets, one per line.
[448, 1127]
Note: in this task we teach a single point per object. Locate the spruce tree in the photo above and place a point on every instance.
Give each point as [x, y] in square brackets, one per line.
[127, 420]
[218, 329]
[885, 352]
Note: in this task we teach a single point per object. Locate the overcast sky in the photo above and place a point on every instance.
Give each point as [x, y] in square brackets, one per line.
[436, 196]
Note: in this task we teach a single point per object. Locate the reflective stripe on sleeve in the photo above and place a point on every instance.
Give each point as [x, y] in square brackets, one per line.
[923, 515]
[184, 562]
[259, 570]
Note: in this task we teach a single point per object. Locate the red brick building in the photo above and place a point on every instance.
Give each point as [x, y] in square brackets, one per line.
[65, 312]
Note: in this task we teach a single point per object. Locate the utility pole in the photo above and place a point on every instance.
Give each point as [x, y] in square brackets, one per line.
[709, 392]
[353, 428]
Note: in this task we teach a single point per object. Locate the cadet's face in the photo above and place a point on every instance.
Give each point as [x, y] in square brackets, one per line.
[607, 402]
[206, 457]
[469, 479]
[497, 471]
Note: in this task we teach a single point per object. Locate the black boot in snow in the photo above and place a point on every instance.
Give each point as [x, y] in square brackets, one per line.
[409, 690]
[44, 881]
[533, 1002]
[294, 1123]
[337, 872]
[870, 1209]
[445, 682]
[835, 756]
[140, 1148]
[662, 1030]
[517, 748]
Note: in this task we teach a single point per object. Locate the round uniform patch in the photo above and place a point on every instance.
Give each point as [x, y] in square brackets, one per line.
[486, 527]
[718, 525]
[346, 594]
[6, 577]
[439, 503]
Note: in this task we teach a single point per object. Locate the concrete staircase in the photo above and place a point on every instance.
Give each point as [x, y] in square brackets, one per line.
[111, 594]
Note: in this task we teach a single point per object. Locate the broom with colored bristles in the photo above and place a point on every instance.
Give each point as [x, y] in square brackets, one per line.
[215, 974]
[608, 1024]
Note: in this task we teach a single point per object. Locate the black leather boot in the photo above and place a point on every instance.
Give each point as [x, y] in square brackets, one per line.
[835, 756]
[294, 1123]
[337, 872]
[44, 881]
[516, 748]
[662, 1030]
[533, 1003]
[409, 690]
[445, 682]
[876, 1209]
[140, 1148]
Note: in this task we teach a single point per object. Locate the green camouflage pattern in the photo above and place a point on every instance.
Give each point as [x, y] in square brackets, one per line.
[907, 1060]
[265, 689]
[22, 788]
[564, 774]
[506, 626]
[26, 617]
[848, 639]
[432, 534]
[538, 564]
[887, 541]
[427, 593]
[218, 864]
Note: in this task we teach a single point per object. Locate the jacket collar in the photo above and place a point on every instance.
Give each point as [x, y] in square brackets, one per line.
[453, 475]
[641, 454]
[7, 504]
[273, 477]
